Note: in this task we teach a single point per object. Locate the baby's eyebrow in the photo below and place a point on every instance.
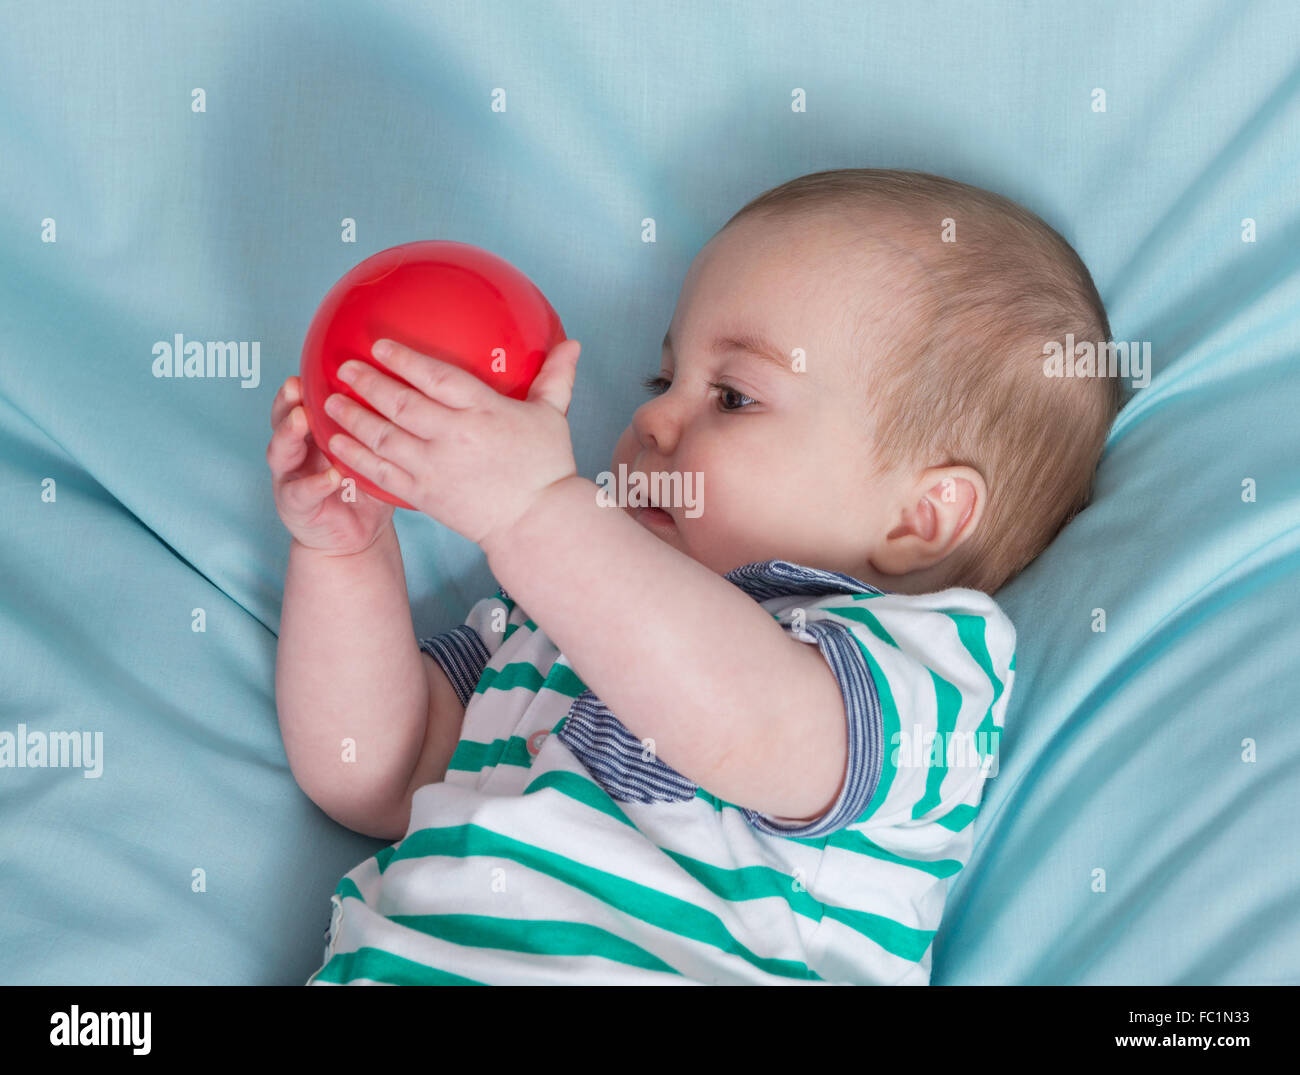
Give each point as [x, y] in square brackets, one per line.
[748, 343]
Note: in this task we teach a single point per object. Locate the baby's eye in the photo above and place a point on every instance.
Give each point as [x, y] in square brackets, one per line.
[730, 399]
[727, 392]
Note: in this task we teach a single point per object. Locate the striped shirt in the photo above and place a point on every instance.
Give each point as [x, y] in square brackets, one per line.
[559, 850]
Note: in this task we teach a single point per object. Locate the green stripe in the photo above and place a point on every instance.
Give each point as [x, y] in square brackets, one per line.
[348, 887]
[515, 674]
[947, 703]
[893, 937]
[856, 843]
[749, 883]
[718, 804]
[564, 680]
[971, 631]
[544, 937]
[474, 757]
[381, 966]
[581, 789]
[861, 615]
[561, 679]
[638, 901]
[762, 882]
[958, 817]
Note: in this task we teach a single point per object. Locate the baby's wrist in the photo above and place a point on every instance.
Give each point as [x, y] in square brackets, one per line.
[380, 538]
[508, 536]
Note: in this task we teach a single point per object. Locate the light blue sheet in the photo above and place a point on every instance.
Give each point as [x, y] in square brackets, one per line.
[1124, 749]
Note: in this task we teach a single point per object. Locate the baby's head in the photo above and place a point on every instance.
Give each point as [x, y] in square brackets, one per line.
[855, 368]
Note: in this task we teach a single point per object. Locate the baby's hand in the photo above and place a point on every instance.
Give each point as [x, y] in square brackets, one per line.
[450, 445]
[303, 483]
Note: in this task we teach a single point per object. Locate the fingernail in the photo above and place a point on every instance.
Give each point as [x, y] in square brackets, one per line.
[382, 349]
[348, 372]
[334, 476]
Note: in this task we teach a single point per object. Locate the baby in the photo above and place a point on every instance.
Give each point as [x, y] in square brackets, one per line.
[742, 742]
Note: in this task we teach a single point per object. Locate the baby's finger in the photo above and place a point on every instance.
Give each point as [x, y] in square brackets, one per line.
[302, 495]
[288, 445]
[289, 396]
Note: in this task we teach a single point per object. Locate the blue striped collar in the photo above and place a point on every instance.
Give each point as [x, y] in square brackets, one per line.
[764, 579]
[781, 578]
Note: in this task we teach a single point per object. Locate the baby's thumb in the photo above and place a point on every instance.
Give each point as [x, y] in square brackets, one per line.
[554, 382]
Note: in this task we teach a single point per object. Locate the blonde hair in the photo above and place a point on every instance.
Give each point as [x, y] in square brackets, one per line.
[967, 387]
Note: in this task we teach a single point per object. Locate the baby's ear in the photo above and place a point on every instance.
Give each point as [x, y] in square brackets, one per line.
[941, 510]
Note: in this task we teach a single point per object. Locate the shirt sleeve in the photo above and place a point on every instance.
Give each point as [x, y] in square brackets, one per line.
[464, 651]
[925, 681]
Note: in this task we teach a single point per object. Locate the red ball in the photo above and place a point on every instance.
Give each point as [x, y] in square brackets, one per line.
[451, 301]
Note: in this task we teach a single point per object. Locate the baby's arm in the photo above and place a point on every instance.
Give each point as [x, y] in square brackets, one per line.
[348, 667]
[688, 662]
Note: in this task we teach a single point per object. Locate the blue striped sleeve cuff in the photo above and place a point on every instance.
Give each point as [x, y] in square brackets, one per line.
[865, 733]
[462, 655]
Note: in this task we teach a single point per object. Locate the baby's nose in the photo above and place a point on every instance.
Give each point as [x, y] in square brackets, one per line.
[657, 425]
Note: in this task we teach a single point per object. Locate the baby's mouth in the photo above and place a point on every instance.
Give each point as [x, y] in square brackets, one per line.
[654, 517]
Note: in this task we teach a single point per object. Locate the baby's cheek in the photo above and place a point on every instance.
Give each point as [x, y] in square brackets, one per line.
[723, 512]
[750, 514]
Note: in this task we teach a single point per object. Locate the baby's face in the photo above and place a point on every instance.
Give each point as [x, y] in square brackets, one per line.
[784, 456]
